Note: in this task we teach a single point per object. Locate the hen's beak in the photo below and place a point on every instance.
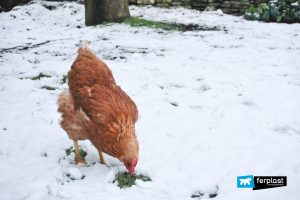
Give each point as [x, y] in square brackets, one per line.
[131, 168]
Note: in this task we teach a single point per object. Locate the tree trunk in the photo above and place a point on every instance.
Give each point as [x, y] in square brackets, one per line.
[7, 5]
[99, 11]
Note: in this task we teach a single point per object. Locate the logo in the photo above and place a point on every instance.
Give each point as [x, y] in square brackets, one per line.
[265, 182]
[261, 182]
[245, 181]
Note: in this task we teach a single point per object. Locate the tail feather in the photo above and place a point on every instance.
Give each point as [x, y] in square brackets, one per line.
[73, 121]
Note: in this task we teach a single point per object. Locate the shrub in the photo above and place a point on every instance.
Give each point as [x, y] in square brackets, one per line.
[284, 11]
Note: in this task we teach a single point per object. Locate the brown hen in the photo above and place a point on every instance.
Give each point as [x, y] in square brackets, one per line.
[95, 108]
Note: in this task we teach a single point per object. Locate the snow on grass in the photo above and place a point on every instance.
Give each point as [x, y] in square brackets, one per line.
[213, 105]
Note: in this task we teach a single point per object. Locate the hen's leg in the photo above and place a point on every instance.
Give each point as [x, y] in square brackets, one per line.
[101, 158]
[78, 158]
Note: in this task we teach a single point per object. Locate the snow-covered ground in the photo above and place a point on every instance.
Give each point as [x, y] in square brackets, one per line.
[213, 105]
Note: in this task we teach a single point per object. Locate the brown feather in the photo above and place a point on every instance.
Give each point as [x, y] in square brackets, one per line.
[88, 70]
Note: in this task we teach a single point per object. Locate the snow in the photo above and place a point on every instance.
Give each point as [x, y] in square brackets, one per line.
[213, 105]
[74, 173]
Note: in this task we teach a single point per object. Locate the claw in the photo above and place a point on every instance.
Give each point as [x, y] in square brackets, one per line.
[80, 161]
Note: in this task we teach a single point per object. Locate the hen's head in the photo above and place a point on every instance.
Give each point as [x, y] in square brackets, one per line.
[130, 165]
[130, 154]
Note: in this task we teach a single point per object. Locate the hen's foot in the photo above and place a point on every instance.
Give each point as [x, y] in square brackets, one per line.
[79, 161]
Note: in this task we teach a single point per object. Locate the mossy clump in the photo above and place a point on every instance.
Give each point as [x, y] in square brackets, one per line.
[38, 77]
[82, 152]
[69, 151]
[139, 22]
[48, 87]
[64, 79]
[125, 180]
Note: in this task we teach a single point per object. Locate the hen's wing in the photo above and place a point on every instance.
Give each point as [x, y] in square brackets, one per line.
[104, 105]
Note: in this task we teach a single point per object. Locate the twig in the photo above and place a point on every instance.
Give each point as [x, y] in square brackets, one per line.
[22, 48]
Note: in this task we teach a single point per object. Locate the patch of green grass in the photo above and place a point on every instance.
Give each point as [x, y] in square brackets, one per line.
[125, 180]
[82, 152]
[139, 22]
[48, 87]
[38, 77]
[69, 151]
[64, 79]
